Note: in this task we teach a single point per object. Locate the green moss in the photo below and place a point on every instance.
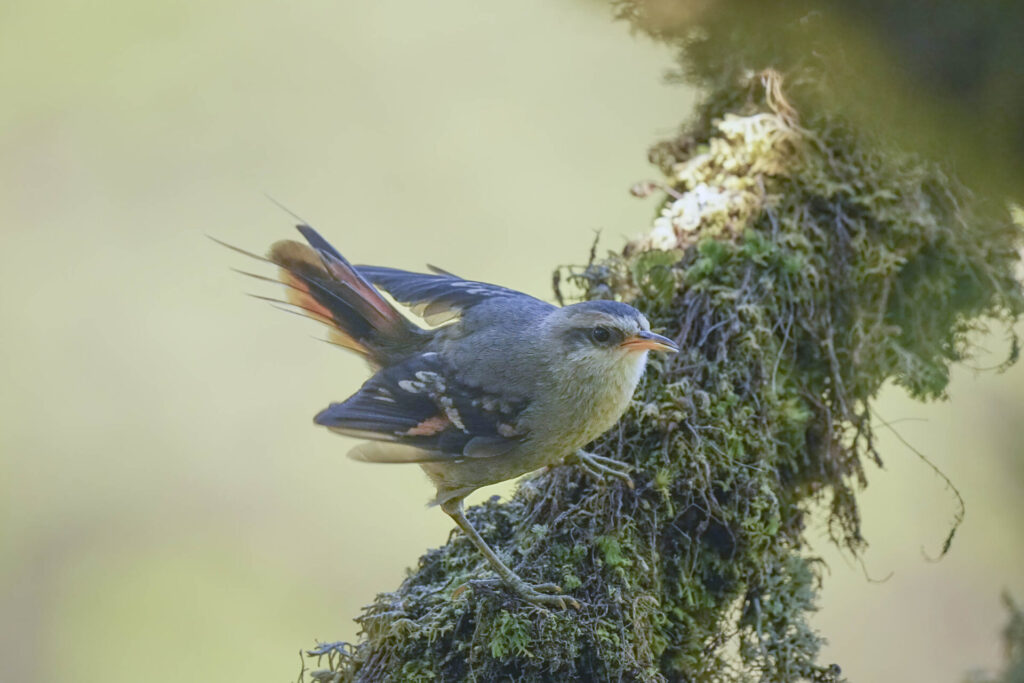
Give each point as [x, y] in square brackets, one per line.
[611, 552]
[510, 635]
[417, 671]
[570, 582]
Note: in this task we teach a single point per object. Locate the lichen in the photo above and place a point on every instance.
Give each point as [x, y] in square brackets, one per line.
[835, 267]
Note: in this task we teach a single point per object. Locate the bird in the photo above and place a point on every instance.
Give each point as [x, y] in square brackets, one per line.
[497, 385]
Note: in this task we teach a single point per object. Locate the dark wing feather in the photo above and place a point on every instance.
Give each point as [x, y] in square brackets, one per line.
[419, 406]
[322, 285]
[436, 297]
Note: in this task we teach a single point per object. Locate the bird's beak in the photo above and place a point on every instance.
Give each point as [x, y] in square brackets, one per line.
[648, 341]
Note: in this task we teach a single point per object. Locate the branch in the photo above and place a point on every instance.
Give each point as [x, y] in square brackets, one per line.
[799, 267]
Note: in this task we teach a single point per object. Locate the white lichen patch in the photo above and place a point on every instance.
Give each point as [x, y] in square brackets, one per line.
[722, 185]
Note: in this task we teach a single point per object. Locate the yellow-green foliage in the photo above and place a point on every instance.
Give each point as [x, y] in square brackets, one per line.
[829, 268]
[510, 636]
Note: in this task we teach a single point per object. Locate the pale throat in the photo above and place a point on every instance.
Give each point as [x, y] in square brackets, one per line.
[603, 389]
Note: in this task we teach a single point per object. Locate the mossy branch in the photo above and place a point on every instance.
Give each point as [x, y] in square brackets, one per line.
[799, 267]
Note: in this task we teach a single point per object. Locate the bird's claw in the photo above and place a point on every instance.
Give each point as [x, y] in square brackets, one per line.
[546, 595]
[600, 467]
[546, 587]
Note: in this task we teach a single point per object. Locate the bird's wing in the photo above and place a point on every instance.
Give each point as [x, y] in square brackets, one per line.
[424, 415]
[437, 297]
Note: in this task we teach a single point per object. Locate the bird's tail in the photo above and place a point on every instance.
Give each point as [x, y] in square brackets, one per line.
[324, 286]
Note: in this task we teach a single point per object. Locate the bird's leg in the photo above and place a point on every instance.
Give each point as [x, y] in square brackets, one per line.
[600, 467]
[539, 594]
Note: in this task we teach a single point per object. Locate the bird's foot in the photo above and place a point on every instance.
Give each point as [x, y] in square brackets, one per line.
[544, 595]
[600, 467]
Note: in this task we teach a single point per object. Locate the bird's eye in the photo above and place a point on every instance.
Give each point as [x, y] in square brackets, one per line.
[601, 334]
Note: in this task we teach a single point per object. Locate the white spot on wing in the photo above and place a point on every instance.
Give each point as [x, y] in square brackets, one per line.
[410, 386]
[451, 412]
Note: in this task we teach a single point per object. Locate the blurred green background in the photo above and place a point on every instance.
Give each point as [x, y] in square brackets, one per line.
[167, 510]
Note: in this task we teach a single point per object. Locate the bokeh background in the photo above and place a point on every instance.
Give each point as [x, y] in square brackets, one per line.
[167, 510]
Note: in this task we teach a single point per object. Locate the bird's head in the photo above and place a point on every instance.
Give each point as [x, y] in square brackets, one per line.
[606, 331]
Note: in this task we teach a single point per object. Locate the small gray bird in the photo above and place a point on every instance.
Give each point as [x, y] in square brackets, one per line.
[507, 384]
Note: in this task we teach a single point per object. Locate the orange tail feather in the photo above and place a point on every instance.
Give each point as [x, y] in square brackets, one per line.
[321, 283]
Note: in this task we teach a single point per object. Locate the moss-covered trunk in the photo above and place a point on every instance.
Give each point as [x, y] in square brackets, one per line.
[799, 268]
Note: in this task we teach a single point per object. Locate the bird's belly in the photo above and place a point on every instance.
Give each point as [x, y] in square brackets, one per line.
[461, 476]
[582, 416]
[472, 473]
